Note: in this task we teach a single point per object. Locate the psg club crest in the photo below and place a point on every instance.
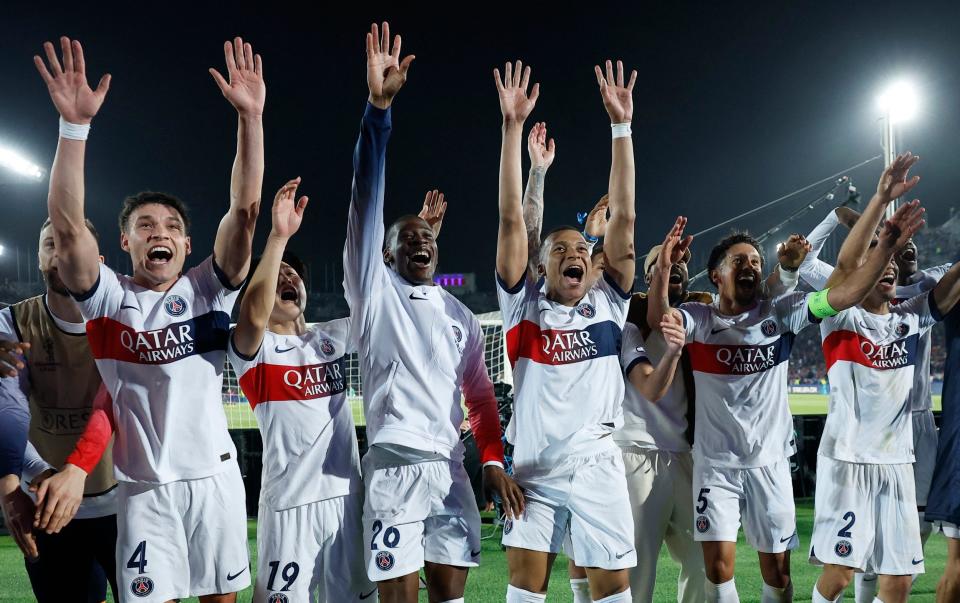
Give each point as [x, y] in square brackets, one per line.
[457, 334]
[326, 346]
[385, 560]
[902, 329]
[586, 310]
[769, 327]
[843, 548]
[703, 524]
[141, 586]
[507, 526]
[175, 305]
[278, 598]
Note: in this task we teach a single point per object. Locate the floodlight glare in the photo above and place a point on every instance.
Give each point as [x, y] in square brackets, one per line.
[899, 101]
[16, 162]
[1, 250]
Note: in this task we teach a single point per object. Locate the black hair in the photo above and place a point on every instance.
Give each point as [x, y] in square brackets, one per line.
[90, 227]
[597, 249]
[132, 202]
[288, 258]
[557, 229]
[394, 228]
[719, 251]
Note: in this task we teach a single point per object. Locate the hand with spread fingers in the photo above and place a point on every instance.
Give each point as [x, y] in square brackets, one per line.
[434, 208]
[893, 182]
[542, 151]
[287, 211]
[67, 83]
[515, 103]
[386, 71]
[617, 96]
[898, 230]
[596, 222]
[244, 88]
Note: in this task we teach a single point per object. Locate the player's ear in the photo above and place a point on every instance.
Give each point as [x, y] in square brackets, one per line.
[124, 241]
[101, 258]
[541, 270]
[715, 278]
[387, 257]
[187, 244]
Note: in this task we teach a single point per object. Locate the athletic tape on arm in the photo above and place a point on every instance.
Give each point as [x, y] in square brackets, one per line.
[819, 305]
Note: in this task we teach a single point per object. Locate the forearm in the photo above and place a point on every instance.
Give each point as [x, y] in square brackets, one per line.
[485, 425]
[258, 301]
[853, 286]
[512, 255]
[858, 241]
[33, 463]
[654, 386]
[14, 425]
[947, 291]
[658, 300]
[618, 244]
[234, 242]
[533, 214]
[76, 247]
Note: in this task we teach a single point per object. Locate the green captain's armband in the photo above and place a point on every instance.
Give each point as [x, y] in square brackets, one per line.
[819, 306]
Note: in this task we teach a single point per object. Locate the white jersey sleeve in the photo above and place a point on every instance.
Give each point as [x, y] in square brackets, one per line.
[103, 299]
[925, 307]
[813, 270]
[928, 280]
[632, 351]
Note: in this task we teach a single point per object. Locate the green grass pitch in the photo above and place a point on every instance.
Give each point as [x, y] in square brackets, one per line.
[489, 581]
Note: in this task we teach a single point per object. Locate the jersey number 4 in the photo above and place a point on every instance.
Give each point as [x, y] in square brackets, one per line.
[138, 560]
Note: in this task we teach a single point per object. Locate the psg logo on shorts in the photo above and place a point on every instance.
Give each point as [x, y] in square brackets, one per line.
[385, 560]
[768, 327]
[703, 524]
[843, 548]
[175, 305]
[507, 526]
[457, 333]
[141, 586]
[902, 329]
[278, 598]
[326, 346]
[586, 310]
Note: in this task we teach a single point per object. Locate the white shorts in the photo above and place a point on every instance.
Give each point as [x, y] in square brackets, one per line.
[760, 498]
[950, 530]
[182, 539]
[866, 518]
[924, 452]
[416, 513]
[585, 496]
[313, 552]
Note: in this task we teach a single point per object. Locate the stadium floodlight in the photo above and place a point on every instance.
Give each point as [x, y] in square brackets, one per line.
[898, 101]
[1, 249]
[19, 164]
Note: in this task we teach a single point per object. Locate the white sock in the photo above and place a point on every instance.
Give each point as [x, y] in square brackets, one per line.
[818, 598]
[877, 600]
[518, 595]
[772, 594]
[864, 587]
[722, 593]
[460, 600]
[624, 597]
[581, 590]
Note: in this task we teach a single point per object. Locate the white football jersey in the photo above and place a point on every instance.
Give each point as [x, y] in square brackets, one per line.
[297, 387]
[660, 425]
[921, 281]
[161, 356]
[740, 370]
[566, 370]
[870, 364]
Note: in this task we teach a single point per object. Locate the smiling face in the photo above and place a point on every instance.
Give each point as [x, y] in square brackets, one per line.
[291, 300]
[679, 280]
[739, 274]
[47, 256]
[885, 290]
[411, 250]
[565, 265]
[907, 259]
[156, 239]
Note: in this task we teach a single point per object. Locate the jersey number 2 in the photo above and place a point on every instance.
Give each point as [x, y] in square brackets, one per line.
[845, 530]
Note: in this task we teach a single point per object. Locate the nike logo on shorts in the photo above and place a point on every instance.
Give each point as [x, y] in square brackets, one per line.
[279, 351]
[915, 562]
[368, 595]
[788, 538]
[715, 331]
[622, 555]
[475, 553]
[232, 576]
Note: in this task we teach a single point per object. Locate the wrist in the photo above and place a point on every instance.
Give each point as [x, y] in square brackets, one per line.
[72, 469]
[621, 129]
[250, 116]
[277, 239]
[9, 483]
[513, 125]
[538, 169]
[73, 130]
[380, 102]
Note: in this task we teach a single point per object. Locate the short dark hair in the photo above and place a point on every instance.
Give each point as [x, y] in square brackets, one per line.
[289, 258]
[557, 229]
[90, 227]
[720, 249]
[597, 249]
[394, 228]
[131, 203]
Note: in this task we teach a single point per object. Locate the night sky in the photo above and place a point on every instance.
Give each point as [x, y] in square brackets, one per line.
[733, 107]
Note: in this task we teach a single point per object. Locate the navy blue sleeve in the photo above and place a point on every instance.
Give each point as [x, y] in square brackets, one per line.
[14, 423]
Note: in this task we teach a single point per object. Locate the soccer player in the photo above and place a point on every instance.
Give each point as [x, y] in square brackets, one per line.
[58, 382]
[910, 282]
[420, 350]
[743, 438]
[563, 342]
[159, 339]
[866, 499]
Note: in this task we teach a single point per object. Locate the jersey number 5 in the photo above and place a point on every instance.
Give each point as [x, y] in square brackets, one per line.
[702, 500]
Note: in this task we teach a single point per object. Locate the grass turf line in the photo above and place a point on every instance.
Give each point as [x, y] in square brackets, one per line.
[488, 583]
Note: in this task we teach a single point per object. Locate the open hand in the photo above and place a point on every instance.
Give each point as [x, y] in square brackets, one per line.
[434, 208]
[287, 213]
[246, 90]
[617, 97]
[596, 222]
[898, 230]
[58, 498]
[893, 182]
[67, 84]
[541, 151]
[18, 512]
[386, 73]
[515, 104]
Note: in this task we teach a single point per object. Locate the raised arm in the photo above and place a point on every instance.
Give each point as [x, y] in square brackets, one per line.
[618, 244]
[790, 254]
[856, 284]
[653, 382]
[674, 247]
[434, 208]
[541, 154]
[77, 251]
[515, 106]
[947, 291]
[261, 294]
[363, 251]
[893, 184]
[247, 93]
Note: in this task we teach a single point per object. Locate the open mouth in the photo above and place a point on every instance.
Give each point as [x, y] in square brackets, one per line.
[888, 280]
[159, 255]
[573, 274]
[420, 259]
[289, 293]
[675, 279]
[909, 255]
[747, 279]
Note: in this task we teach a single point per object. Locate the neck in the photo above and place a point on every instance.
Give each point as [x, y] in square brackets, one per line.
[732, 307]
[875, 306]
[904, 277]
[63, 307]
[159, 287]
[288, 327]
[558, 299]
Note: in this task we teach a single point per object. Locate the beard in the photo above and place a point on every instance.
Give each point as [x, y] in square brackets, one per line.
[52, 279]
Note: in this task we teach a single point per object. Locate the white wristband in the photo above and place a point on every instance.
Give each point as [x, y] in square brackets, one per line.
[73, 131]
[789, 278]
[621, 130]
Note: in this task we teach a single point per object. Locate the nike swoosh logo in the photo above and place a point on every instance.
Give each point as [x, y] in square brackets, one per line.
[622, 555]
[715, 331]
[279, 351]
[368, 595]
[915, 562]
[782, 540]
[129, 308]
[869, 578]
[231, 577]
[414, 296]
[475, 553]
